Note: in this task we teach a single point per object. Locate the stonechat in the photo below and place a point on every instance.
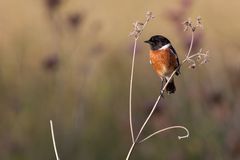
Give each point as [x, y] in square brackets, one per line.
[164, 60]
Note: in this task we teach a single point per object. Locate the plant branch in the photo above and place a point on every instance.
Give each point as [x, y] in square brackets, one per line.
[191, 44]
[53, 139]
[130, 90]
[138, 29]
[166, 129]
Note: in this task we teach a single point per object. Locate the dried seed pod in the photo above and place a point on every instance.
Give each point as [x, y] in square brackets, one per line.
[192, 66]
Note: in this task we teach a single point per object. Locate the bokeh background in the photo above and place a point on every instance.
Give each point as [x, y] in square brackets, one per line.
[69, 61]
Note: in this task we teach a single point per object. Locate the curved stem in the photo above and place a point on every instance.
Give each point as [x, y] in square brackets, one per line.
[130, 151]
[130, 90]
[53, 139]
[131, 79]
[166, 129]
[191, 45]
[197, 54]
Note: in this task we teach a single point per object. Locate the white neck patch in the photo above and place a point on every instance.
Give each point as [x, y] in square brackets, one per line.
[165, 46]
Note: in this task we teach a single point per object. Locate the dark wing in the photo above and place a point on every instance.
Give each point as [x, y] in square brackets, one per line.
[178, 64]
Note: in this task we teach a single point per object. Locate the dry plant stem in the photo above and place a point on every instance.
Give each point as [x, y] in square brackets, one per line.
[53, 139]
[191, 44]
[130, 90]
[131, 79]
[130, 151]
[166, 129]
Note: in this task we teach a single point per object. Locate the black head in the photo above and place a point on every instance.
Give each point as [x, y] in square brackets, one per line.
[157, 41]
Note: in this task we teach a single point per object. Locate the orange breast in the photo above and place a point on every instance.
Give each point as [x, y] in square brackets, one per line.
[163, 62]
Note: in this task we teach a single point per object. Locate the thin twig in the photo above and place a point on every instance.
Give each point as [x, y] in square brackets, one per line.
[138, 29]
[53, 139]
[191, 45]
[130, 90]
[166, 129]
[130, 150]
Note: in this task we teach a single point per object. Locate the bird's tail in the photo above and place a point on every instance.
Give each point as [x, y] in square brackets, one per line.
[171, 87]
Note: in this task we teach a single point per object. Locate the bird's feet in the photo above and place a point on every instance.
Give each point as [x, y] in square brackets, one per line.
[162, 93]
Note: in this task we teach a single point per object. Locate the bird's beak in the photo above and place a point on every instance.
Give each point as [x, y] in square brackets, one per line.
[147, 41]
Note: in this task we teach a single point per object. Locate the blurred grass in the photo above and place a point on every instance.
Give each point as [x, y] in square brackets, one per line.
[71, 63]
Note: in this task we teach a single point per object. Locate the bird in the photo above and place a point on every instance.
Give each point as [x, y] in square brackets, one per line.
[164, 60]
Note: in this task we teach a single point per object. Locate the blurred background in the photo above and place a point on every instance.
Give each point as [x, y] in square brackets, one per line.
[69, 61]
